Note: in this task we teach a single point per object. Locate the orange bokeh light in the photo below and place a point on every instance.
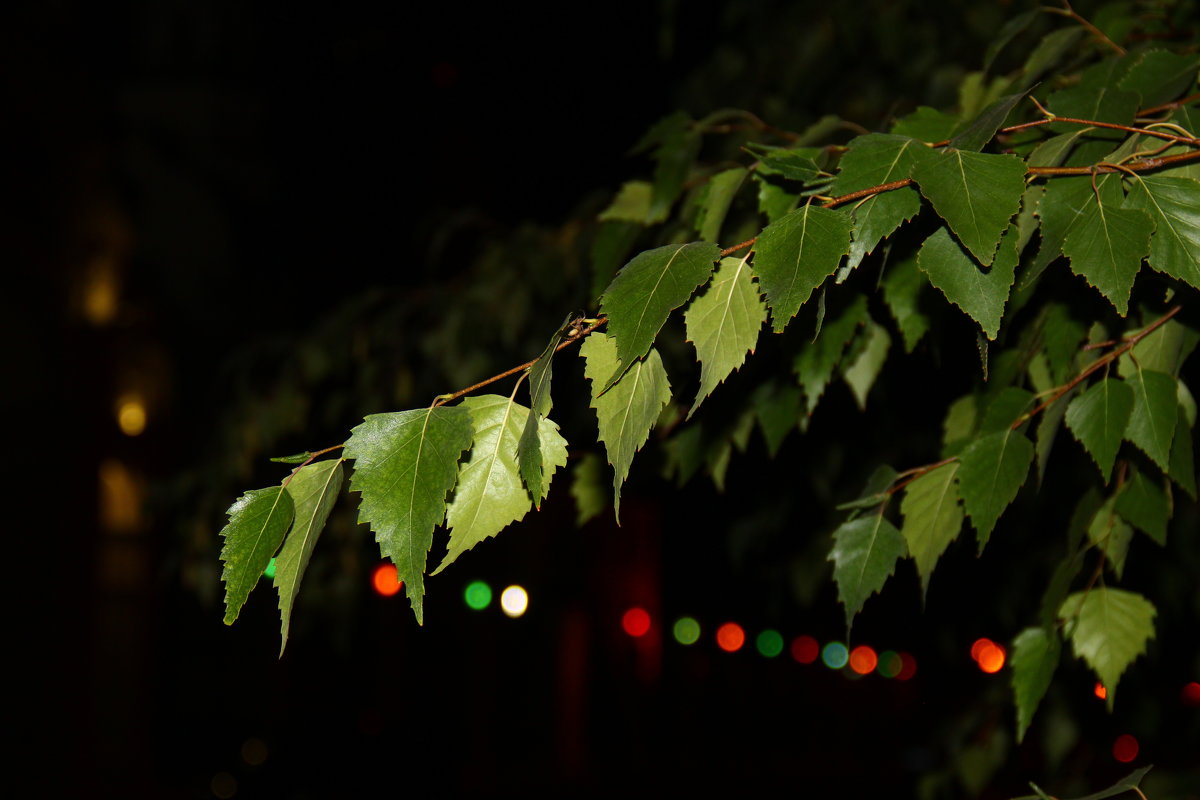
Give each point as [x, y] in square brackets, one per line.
[863, 660]
[385, 581]
[978, 646]
[991, 658]
[805, 649]
[730, 637]
[1125, 748]
[636, 622]
[1100, 691]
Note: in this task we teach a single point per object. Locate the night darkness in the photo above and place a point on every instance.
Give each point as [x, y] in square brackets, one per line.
[237, 174]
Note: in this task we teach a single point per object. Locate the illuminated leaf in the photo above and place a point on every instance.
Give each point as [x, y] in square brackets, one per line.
[1143, 503]
[587, 487]
[721, 189]
[1098, 419]
[1106, 247]
[1160, 75]
[926, 125]
[489, 493]
[873, 160]
[645, 292]
[992, 470]
[980, 292]
[724, 322]
[1111, 536]
[529, 456]
[257, 524]
[816, 362]
[1182, 467]
[932, 518]
[626, 412]
[975, 193]
[901, 286]
[405, 463]
[1034, 659]
[1174, 206]
[1110, 630]
[864, 555]
[777, 409]
[981, 129]
[795, 254]
[1155, 413]
[314, 489]
[861, 374]
[632, 204]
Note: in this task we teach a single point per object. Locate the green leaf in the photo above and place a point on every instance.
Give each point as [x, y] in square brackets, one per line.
[1098, 419]
[861, 374]
[721, 189]
[926, 125]
[257, 524]
[980, 292]
[992, 470]
[724, 322]
[684, 453]
[795, 164]
[1061, 334]
[489, 493]
[959, 425]
[795, 254]
[1174, 206]
[932, 518]
[901, 286]
[1009, 31]
[1111, 629]
[981, 129]
[1164, 349]
[632, 204]
[1034, 659]
[1063, 205]
[678, 146]
[777, 409]
[645, 292]
[1004, 408]
[975, 193]
[873, 160]
[1050, 50]
[299, 458]
[610, 248]
[864, 555]
[587, 487]
[774, 200]
[1106, 247]
[529, 456]
[1155, 413]
[1182, 467]
[1160, 76]
[1096, 97]
[1126, 784]
[1047, 432]
[314, 489]
[1053, 151]
[627, 411]
[1111, 536]
[405, 463]
[1143, 503]
[815, 364]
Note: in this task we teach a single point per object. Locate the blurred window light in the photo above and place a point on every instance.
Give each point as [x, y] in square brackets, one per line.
[686, 630]
[386, 581]
[514, 601]
[730, 637]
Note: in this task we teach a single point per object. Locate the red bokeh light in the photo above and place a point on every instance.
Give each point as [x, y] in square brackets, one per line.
[805, 649]
[863, 659]
[1125, 748]
[1191, 693]
[991, 658]
[1100, 691]
[977, 647]
[908, 667]
[636, 622]
[385, 581]
[730, 637]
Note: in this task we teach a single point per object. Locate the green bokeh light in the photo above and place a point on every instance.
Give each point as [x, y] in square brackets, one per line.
[478, 595]
[890, 664]
[769, 643]
[835, 655]
[270, 570]
[686, 630]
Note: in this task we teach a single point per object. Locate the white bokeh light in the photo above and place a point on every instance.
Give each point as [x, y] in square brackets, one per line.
[514, 601]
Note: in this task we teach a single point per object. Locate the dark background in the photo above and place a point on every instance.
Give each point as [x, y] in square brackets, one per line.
[239, 174]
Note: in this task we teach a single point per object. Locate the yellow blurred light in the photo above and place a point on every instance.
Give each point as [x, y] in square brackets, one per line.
[131, 415]
[100, 292]
[120, 497]
[514, 601]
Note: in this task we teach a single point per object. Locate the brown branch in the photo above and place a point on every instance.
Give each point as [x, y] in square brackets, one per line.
[1067, 11]
[1096, 365]
[1174, 104]
[1091, 123]
[911, 475]
[740, 246]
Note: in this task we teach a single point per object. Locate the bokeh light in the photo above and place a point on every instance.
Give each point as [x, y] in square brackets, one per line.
[769, 643]
[889, 664]
[977, 647]
[731, 637]
[991, 658]
[686, 630]
[834, 655]
[1125, 748]
[908, 667]
[1191, 693]
[863, 660]
[385, 580]
[254, 751]
[636, 622]
[131, 415]
[477, 595]
[1099, 690]
[805, 649]
[269, 572]
[514, 601]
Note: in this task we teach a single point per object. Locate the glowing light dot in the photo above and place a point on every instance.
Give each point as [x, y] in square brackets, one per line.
[769, 643]
[270, 570]
[1191, 693]
[636, 622]
[1099, 690]
[731, 637]
[977, 647]
[908, 667]
[991, 658]
[385, 581]
[254, 751]
[889, 664]
[1125, 748]
[514, 601]
[477, 595]
[805, 649]
[863, 660]
[834, 655]
[131, 415]
[686, 630]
